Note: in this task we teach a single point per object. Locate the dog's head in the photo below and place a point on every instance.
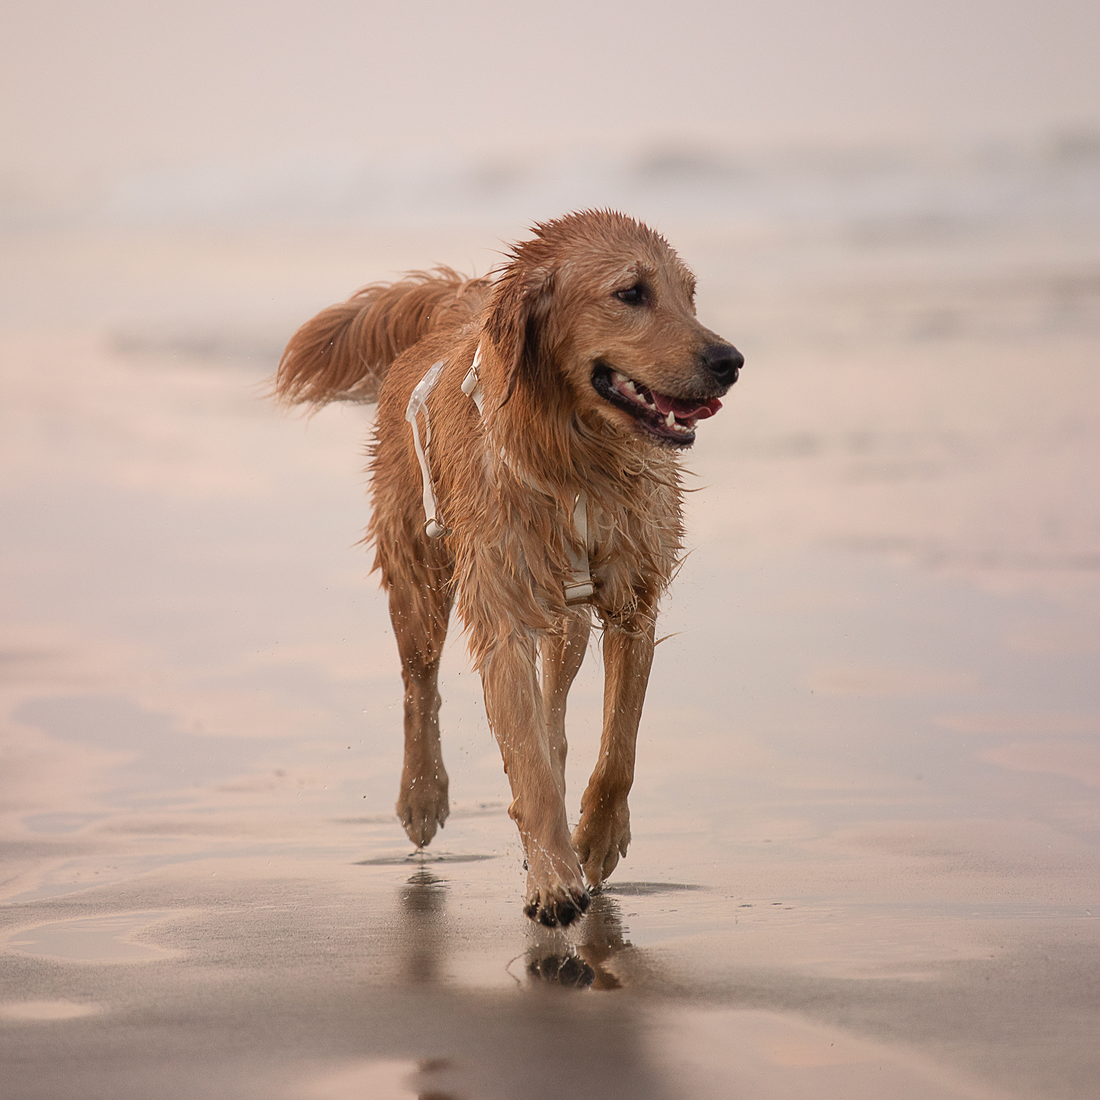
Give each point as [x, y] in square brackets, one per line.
[596, 315]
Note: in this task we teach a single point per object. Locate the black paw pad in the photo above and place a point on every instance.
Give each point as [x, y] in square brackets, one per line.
[548, 915]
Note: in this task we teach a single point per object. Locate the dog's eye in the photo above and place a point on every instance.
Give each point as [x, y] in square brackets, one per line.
[632, 295]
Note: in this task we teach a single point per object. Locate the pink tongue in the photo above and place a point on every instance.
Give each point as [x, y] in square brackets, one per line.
[684, 410]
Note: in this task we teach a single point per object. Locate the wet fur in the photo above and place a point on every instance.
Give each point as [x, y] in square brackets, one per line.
[506, 485]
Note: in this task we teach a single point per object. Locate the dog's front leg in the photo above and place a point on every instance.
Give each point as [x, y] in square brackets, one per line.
[513, 701]
[562, 653]
[603, 833]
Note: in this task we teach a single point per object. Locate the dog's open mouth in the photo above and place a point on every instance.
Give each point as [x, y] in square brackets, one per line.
[670, 419]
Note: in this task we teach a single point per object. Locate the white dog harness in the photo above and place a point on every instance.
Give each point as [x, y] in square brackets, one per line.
[581, 586]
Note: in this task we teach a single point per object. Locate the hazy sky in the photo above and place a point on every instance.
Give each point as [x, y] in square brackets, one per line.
[125, 84]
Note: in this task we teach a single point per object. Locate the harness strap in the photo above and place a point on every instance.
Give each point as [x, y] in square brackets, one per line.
[418, 400]
[471, 384]
[581, 586]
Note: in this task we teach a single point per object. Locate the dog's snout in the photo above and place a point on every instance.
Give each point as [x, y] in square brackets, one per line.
[724, 361]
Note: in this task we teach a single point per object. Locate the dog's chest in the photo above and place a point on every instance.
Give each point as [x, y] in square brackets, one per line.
[634, 550]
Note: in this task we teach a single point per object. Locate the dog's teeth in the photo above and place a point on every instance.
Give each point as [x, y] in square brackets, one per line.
[624, 383]
[670, 420]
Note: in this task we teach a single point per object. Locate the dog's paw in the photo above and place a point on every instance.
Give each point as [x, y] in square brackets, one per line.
[556, 895]
[422, 807]
[600, 838]
[556, 911]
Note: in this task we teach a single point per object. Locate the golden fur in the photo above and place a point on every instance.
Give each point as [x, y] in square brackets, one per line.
[580, 320]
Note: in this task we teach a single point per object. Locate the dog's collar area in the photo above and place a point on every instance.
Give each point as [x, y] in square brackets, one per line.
[581, 587]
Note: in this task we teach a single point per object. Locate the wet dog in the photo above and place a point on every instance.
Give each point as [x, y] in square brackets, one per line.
[525, 466]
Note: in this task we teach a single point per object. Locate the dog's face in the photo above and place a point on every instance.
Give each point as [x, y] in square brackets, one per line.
[642, 354]
[611, 308]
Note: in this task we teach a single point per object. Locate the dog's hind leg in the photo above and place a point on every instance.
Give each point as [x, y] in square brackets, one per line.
[603, 833]
[562, 653]
[419, 609]
[556, 894]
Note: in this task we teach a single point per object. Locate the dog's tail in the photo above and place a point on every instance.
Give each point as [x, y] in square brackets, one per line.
[342, 354]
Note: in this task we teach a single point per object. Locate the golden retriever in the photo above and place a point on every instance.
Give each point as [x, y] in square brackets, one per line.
[535, 420]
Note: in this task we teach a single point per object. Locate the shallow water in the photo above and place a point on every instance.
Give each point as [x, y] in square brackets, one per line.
[865, 824]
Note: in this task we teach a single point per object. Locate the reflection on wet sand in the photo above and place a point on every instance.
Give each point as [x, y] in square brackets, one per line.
[659, 1035]
[423, 904]
[584, 959]
[537, 1038]
[93, 939]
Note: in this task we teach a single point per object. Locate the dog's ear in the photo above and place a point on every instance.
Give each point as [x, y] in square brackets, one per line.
[521, 326]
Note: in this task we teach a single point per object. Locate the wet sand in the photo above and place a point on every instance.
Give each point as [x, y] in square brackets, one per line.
[865, 823]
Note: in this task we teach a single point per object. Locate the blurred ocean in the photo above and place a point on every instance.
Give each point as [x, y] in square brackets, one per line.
[867, 195]
[991, 234]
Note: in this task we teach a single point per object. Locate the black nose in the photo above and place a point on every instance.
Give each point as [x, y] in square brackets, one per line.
[723, 361]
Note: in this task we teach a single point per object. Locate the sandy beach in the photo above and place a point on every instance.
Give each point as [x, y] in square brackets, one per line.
[865, 855]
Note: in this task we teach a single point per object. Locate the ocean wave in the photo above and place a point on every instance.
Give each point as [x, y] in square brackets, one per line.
[869, 195]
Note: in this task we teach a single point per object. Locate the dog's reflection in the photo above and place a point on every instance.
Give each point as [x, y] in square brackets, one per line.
[487, 1045]
[587, 963]
[583, 961]
[423, 903]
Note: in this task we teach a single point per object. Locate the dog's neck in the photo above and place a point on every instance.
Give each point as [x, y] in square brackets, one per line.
[581, 587]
